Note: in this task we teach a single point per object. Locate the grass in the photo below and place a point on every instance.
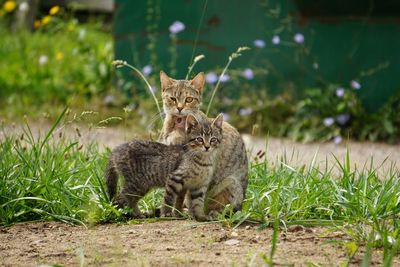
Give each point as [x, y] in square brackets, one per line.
[50, 177]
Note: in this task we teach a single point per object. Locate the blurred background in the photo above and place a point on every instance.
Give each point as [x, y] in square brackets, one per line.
[317, 70]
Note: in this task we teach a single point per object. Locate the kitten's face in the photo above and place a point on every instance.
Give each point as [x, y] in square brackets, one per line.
[204, 134]
[181, 97]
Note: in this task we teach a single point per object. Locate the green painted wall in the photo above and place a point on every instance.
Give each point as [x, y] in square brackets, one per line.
[364, 48]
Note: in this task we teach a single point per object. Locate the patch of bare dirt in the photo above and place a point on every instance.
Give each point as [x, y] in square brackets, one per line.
[170, 243]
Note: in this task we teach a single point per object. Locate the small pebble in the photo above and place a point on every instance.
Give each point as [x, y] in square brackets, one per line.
[231, 242]
[234, 234]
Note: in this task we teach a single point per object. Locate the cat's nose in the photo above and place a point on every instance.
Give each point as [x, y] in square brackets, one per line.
[207, 148]
[179, 109]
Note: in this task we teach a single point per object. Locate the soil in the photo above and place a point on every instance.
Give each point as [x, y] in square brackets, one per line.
[171, 243]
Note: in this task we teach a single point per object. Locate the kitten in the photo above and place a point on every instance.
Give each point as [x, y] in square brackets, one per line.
[179, 168]
[230, 174]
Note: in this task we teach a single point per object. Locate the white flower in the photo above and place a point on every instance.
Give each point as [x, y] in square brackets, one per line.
[315, 65]
[23, 7]
[337, 140]
[340, 92]
[355, 85]
[43, 59]
[276, 40]
[176, 27]
[298, 38]
[259, 43]
[328, 121]
[391, 240]
[147, 70]
[225, 78]
[248, 74]
[81, 34]
[211, 77]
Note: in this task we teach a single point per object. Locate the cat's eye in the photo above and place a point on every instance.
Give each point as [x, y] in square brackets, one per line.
[173, 99]
[199, 139]
[213, 139]
[189, 99]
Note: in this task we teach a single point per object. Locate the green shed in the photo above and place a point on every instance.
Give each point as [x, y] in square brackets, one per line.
[301, 43]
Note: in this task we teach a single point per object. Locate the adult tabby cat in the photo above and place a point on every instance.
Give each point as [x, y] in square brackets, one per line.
[230, 175]
[180, 168]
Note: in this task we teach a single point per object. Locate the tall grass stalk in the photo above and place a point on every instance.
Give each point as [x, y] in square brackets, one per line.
[122, 63]
[196, 59]
[230, 59]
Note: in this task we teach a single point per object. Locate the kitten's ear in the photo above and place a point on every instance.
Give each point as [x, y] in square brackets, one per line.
[198, 81]
[191, 122]
[218, 120]
[165, 80]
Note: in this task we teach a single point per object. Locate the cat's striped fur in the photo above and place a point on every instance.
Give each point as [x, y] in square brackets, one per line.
[230, 170]
[179, 168]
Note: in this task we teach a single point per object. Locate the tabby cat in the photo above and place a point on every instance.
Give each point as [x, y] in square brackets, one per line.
[179, 168]
[230, 170]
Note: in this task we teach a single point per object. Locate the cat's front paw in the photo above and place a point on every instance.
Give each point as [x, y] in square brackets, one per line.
[213, 215]
[166, 212]
[137, 215]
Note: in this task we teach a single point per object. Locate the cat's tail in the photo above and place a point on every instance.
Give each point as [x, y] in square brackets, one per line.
[111, 176]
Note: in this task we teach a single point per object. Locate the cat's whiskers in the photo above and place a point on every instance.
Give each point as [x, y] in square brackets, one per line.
[156, 117]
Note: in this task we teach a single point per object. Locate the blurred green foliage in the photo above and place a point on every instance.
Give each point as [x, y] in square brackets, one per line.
[57, 62]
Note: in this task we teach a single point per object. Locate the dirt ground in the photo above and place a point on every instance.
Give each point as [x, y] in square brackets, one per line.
[171, 243]
[188, 243]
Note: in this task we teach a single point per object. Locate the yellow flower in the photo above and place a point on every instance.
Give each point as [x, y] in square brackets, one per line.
[46, 20]
[54, 10]
[37, 24]
[9, 6]
[59, 56]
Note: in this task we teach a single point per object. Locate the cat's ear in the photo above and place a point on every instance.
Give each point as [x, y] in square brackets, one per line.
[165, 80]
[198, 81]
[191, 122]
[218, 120]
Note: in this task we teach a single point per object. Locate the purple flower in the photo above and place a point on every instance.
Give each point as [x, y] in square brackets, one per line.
[259, 43]
[355, 85]
[225, 78]
[337, 140]
[227, 101]
[211, 77]
[226, 116]
[176, 27]
[108, 100]
[328, 121]
[298, 38]
[153, 88]
[340, 92]
[245, 111]
[147, 70]
[343, 118]
[248, 74]
[276, 40]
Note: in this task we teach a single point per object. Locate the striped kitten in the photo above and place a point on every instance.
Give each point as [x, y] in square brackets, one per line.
[179, 168]
[230, 171]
